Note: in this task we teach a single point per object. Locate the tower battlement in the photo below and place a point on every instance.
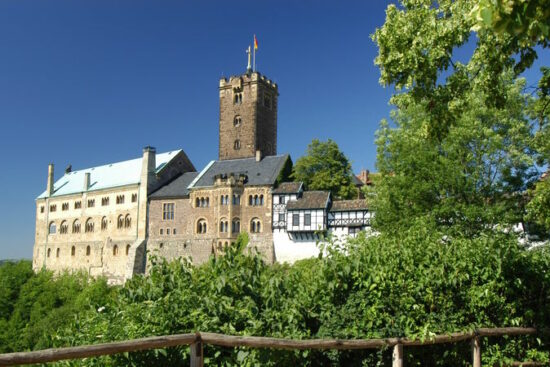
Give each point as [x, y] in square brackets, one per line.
[237, 80]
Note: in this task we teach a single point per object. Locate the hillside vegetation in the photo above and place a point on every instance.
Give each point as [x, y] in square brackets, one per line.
[437, 284]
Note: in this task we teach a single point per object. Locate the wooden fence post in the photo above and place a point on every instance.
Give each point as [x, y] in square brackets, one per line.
[397, 355]
[476, 352]
[197, 358]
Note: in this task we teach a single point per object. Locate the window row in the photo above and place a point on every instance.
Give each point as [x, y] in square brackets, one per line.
[236, 199]
[123, 221]
[296, 220]
[202, 202]
[88, 251]
[255, 226]
[255, 200]
[167, 231]
[91, 203]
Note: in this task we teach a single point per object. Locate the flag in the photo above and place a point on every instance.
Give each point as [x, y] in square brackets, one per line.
[255, 43]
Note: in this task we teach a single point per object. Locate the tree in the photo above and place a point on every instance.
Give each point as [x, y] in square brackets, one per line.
[325, 167]
[462, 148]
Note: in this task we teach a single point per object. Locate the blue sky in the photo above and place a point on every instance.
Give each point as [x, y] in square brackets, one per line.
[91, 82]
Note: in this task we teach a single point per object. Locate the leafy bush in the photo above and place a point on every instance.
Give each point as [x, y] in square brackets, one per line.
[415, 284]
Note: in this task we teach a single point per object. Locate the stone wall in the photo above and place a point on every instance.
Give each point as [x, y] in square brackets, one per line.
[257, 126]
[188, 242]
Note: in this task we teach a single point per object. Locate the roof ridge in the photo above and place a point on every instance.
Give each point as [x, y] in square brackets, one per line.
[118, 162]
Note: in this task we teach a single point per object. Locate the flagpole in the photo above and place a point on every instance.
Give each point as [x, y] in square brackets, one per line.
[254, 55]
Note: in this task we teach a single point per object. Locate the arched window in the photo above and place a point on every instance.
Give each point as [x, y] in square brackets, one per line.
[261, 200]
[224, 224]
[51, 228]
[73, 251]
[207, 202]
[104, 223]
[236, 199]
[250, 200]
[201, 226]
[49, 252]
[236, 225]
[115, 250]
[197, 203]
[88, 250]
[256, 200]
[76, 226]
[64, 227]
[203, 203]
[237, 144]
[237, 121]
[57, 252]
[89, 225]
[255, 225]
[127, 249]
[127, 221]
[120, 221]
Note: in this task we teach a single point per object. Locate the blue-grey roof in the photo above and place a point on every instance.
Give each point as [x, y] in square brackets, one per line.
[262, 173]
[177, 188]
[107, 176]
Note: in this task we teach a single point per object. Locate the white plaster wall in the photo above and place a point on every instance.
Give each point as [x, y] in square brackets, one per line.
[289, 251]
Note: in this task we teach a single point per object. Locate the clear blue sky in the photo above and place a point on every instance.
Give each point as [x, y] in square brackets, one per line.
[92, 82]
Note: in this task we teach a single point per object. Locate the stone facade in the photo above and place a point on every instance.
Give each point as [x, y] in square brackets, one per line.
[248, 116]
[103, 231]
[206, 221]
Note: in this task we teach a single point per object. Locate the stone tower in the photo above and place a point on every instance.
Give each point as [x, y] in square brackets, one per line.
[248, 117]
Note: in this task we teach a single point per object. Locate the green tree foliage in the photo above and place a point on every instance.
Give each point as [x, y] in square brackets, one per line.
[34, 306]
[462, 149]
[413, 284]
[470, 177]
[325, 167]
[528, 21]
[538, 207]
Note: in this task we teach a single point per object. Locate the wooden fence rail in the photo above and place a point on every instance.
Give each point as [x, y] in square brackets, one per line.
[197, 340]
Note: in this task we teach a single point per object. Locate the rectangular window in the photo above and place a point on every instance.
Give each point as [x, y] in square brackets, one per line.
[167, 231]
[91, 203]
[42, 209]
[120, 199]
[281, 217]
[282, 199]
[53, 208]
[105, 201]
[307, 219]
[161, 231]
[295, 220]
[65, 206]
[168, 211]
[134, 198]
[78, 204]
[174, 231]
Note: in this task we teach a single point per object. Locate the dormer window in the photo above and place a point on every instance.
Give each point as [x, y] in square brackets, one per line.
[237, 121]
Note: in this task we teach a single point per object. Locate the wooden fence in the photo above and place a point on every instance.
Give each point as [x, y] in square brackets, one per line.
[197, 340]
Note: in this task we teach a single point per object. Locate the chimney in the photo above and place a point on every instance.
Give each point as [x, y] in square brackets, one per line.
[86, 181]
[49, 187]
[364, 176]
[258, 155]
[149, 167]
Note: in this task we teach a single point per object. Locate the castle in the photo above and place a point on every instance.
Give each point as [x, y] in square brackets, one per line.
[108, 220]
